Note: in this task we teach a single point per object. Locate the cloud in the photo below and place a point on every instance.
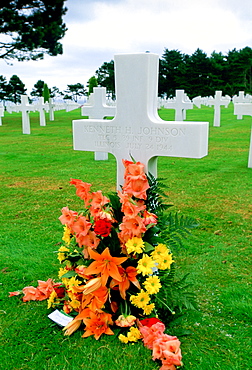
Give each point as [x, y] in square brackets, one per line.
[98, 29]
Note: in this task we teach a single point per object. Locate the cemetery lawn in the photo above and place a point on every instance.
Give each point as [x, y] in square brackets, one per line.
[216, 190]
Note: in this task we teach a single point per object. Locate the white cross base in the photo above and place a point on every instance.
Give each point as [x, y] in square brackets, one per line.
[137, 131]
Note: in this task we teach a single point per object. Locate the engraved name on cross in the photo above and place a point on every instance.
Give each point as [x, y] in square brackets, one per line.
[137, 130]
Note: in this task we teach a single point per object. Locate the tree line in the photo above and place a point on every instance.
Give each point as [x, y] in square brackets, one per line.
[197, 74]
[12, 90]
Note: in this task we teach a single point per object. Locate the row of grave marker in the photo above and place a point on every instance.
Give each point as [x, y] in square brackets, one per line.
[25, 108]
[136, 130]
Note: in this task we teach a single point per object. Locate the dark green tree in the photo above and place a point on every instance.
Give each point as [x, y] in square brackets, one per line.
[218, 73]
[92, 82]
[74, 91]
[3, 84]
[46, 93]
[106, 77]
[37, 90]
[239, 70]
[15, 89]
[170, 72]
[197, 69]
[31, 28]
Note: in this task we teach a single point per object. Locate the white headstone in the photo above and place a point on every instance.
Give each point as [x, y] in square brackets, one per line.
[1, 113]
[51, 109]
[242, 109]
[250, 152]
[217, 101]
[137, 131]
[98, 109]
[180, 103]
[25, 108]
[41, 107]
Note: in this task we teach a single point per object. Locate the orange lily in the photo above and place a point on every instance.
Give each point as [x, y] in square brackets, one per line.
[73, 325]
[104, 264]
[128, 275]
[96, 300]
[97, 324]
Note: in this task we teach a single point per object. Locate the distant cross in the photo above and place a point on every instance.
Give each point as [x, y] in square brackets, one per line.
[25, 108]
[51, 109]
[137, 131]
[98, 109]
[180, 104]
[217, 101]
[242, 109]
[41, 107]
[1, 114]
[250, 152]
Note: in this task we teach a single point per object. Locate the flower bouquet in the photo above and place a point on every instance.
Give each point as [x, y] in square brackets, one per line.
[115, 266]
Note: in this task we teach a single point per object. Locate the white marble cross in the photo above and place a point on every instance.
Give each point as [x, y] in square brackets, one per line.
[242, 109]
[98, 109]
[217, 101]
[25, 108]
[51, 109]
[180, 103]
[41, 107]
[1, 113]
[137, 131]
[250, 152]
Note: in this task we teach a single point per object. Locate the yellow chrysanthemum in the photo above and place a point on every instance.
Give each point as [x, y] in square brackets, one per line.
[166, 262]
[152, 284]
[63, 249]
[135, 245]
[133, 334]
[61, 254]
[123, 338]
[73, 282]
[51, 299]
[141, 299]
[74, 303]
[159, 251]
[62, 271]
[66, 236]
[145, 265]
[148, 308]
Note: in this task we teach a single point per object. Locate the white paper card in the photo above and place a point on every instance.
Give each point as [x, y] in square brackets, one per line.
[60, 318]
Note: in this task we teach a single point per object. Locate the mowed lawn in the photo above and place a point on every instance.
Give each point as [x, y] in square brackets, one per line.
[216, 190]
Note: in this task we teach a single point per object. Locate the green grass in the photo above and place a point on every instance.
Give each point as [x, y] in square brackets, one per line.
[216, 190]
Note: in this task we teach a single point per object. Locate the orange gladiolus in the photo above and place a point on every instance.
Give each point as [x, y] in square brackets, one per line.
[130, 227]
[46, 287]
[97, 324]
[134, 169]
[67, 217]
[82, 190]
[128, 275]
[104, 264]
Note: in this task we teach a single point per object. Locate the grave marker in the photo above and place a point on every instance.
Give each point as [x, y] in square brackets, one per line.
[250, 152]
[25, 108]
[1, 113]
[217, 101]
[137, 130]
[98, 109]
[41, 107]
[180, 103]
[51, 109]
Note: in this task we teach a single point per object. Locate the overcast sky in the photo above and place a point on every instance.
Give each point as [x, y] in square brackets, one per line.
[99, 29]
